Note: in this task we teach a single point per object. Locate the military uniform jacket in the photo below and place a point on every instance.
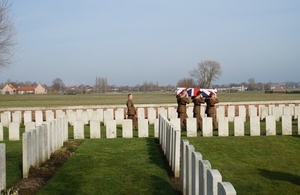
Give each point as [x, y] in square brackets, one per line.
[130, 108]
[210, 105]
[182, 101]
[197, 104]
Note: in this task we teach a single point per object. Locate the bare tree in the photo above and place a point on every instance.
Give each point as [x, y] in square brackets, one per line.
[206, 72]
[6, 34]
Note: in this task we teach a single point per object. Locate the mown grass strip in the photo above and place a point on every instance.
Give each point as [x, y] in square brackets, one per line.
[113, 166]
[56, 100]
[254, 165]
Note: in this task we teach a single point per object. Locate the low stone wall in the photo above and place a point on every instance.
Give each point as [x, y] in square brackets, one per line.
[197, 176]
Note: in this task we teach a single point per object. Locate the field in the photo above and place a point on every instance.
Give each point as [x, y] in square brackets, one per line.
[254, 165]
[121, 98]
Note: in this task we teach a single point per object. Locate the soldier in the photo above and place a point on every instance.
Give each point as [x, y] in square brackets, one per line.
[211, 109]
[198, 99]
[131, 111]
[182, 100]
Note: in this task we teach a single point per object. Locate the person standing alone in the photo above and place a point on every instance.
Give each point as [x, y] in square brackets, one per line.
[131, 111]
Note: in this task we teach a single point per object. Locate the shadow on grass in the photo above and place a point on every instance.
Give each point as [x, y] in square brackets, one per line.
[160, 160]
[276, 175]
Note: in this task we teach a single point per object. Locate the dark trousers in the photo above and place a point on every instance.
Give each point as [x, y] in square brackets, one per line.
[134, 121]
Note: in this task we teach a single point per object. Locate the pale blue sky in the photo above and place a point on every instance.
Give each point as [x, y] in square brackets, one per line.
[133, 41]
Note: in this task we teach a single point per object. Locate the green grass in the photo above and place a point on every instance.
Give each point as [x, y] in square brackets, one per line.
[254, 165]
[28, 100]
[113, 166]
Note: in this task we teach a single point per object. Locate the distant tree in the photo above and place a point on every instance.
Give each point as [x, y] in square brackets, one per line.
[206, 72]
[101, 84]
[58, 85]
[186, 82]
[6, 34]
[251, 84]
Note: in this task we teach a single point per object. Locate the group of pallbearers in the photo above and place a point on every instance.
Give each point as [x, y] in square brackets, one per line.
[197, 99]
[182, 101]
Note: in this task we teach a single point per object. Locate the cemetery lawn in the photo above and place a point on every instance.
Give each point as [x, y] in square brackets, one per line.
[254, 165]
[113, 166]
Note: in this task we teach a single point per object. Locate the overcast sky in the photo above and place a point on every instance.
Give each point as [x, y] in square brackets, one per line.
[133, 41]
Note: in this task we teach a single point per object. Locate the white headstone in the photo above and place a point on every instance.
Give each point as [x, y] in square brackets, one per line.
[163, 112]
[151, 115]
[183, 165]
[38, 117]
[108, 115]
[213, 178]
[27, 116]
[141, 113]
[95, 131]
[223, 126]
[172, 113]
[231, 113]
[14, 131]
[156, 127]
[59, 113]
[204, 166]
[207, 128]
[29, 126]
[220, 112]
[17, 117]
[111, 128]
[191, 127]
[226, 188]
[242, 112]
[270, 125]
[264, 111]
[1, 133]
[71, 117]
[286, 125]
[5, 119]
[254, 126]
[189, 111]
[239, 126]
[277, 112]
[78, 130]
[119, 113]
[2, 167]
[127, 129]
[252, 110]
[90, 113]
[297, 112]
[99, 115]
[196, 157]
[143, 128]
[175, 122]
[188, 159]
[49, 115]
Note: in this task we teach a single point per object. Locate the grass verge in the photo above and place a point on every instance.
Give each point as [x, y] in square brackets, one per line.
[113, 166]
[254, 165]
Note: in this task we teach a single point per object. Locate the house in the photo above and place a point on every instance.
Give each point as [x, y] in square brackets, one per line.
[40, 89]
[25, 89]
[9, 89]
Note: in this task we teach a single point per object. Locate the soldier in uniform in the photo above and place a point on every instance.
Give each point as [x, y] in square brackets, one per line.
[197, 100]
[131, 111]
[211, 109]
[182, 100]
